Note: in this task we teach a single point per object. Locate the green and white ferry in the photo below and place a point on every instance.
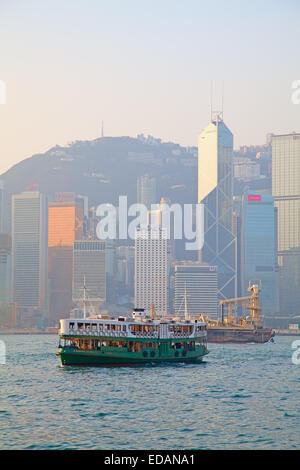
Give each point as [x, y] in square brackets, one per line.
[101, 340]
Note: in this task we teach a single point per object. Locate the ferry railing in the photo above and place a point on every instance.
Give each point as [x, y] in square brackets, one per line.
[98, 332]
[148, 334]
[173, 334]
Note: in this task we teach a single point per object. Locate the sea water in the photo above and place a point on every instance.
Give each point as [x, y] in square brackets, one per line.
[240, 397]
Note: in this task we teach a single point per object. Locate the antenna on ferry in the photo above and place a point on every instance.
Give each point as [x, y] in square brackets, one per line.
[186, 315]
[84, 297]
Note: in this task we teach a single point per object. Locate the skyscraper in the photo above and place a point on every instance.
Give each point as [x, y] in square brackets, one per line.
[151, 269]
[1, 206]
[5, 268]
[200, 283]
[286, 192]
[89, 266]
[146, 191]
[65, 225]
[259, 248]
[29, 251]
[215, 181]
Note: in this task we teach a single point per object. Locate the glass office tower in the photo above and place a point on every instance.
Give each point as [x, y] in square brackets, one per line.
[215, 182]
[286, 192]
[259, 248]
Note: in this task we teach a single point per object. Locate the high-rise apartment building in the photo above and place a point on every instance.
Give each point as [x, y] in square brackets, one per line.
[259, 248]
[29, 252]
[199, 283]
[89, 271]
[215, 182]
[286, 192]
[146, 191]
[151, 269]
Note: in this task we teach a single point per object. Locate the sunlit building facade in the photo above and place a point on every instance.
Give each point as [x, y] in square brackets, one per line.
[65, 225]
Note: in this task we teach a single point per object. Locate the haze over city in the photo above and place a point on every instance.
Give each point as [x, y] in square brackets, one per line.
[144, 67]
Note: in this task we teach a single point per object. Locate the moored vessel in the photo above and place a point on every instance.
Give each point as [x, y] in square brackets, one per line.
[245, 329]
[101, 340]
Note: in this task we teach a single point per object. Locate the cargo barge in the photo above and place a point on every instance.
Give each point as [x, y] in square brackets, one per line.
[245, 329]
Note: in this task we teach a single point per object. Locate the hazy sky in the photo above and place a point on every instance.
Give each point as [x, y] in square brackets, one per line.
[144, 66]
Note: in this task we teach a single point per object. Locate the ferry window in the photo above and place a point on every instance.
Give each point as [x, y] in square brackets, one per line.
[80, 326]
[100, 326]
[124, 327]
[87, 326]
[71, 326]
[94, 326]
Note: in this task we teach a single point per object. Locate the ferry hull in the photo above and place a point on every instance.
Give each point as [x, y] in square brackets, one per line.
[236, 335]
[94, 358]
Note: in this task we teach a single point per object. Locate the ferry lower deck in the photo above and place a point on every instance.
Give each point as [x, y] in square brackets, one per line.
[95, 351]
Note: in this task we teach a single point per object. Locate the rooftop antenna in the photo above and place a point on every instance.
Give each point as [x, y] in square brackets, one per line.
[216, 114]
[211, 93]
[222, 98]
